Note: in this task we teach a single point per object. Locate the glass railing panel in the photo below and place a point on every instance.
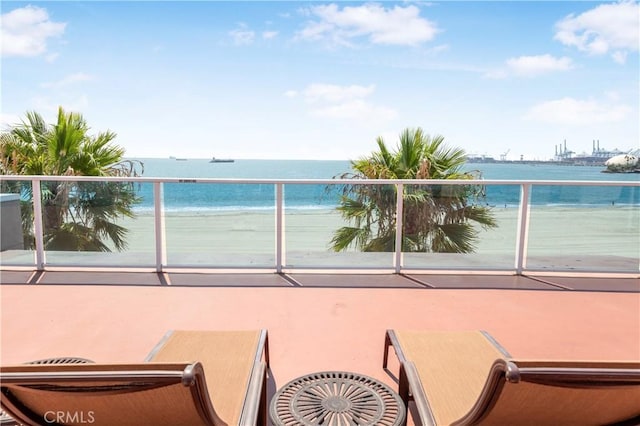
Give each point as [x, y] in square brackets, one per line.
[316, 229]
[573, 227]
[460, 227]
[219, 225]
[141, 239]
[17, 245]
[584, 228]
[95, 224]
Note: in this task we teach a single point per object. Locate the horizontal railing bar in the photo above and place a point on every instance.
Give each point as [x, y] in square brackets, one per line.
[320, 181]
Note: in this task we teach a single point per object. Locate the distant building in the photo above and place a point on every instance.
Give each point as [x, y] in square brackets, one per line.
[474, 158]
[598, 155]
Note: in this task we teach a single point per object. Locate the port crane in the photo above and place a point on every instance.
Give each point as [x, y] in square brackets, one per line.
[503, 156]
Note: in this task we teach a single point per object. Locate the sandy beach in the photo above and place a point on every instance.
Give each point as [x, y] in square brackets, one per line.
[248, 237]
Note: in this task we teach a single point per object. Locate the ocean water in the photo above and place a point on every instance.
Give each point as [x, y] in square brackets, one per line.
[194, 197]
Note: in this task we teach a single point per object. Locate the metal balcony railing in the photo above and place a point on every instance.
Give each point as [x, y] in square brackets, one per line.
[546, 227]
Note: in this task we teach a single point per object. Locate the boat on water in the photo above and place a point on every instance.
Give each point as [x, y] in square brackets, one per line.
[624, 163]
[221, 160]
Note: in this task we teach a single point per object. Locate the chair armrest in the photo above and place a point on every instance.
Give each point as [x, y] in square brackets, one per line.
[256, 397]
[411, 386]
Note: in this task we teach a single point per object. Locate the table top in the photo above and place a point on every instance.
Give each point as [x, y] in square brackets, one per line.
[336, 398]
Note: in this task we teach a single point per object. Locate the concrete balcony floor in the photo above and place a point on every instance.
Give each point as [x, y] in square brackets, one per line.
[315, 322]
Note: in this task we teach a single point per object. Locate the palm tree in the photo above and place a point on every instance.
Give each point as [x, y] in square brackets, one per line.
[437, 218]
[76, 215]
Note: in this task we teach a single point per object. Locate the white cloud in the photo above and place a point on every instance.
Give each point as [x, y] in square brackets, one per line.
[612, 27]
[530, 66]
[343, 102]
[577, 112]
[335, 93]
[535, 65]
[393, 26]
[619, 56]
[25, 31]
[68, 80]
[242, 35]
[268, 35]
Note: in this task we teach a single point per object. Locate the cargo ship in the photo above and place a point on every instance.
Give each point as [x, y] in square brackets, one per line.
[221, 160]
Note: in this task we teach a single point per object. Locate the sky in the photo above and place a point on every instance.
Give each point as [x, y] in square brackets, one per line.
[324, 80]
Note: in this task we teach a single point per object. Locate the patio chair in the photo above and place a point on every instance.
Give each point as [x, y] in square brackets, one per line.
[190, 378]
[467, 378]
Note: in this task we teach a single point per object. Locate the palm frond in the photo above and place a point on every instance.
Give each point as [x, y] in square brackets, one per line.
[76, 216]
[437, 218]
[347, 236]
[454, 238]
[382, 243]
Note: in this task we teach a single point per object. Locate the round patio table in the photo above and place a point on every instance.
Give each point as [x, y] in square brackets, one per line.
[62, 360]
[336, 398]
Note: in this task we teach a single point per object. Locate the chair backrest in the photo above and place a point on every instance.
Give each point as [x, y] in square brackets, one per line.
[448, 370]
[466, 377]
[234, 362]
[558, 392]
[114, 394]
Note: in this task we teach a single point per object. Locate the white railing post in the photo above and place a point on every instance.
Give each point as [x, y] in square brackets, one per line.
[523, 229]
[397, 261]
[280, 256]
[38, 228]
[159, 228]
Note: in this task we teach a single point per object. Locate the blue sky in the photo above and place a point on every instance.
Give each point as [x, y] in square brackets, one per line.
[322, 80]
